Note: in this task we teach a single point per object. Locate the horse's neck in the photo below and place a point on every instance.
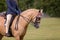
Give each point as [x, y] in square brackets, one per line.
[31, 13]
[27, 15]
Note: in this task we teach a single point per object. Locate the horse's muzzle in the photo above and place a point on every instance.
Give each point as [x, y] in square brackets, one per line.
[36, 25]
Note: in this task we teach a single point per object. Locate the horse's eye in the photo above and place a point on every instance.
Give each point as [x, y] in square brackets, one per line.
[38, 18]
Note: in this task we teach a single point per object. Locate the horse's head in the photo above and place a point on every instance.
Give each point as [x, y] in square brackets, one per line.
[37, 18]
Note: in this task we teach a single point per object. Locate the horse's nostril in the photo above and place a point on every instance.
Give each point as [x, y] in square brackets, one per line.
[36, 25]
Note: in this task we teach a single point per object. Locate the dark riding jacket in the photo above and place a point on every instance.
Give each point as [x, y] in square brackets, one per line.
[12, 7]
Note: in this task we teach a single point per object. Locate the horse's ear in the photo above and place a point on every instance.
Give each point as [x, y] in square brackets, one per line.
[41, 11]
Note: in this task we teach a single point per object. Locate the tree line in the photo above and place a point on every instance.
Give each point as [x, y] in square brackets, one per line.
[50, 7]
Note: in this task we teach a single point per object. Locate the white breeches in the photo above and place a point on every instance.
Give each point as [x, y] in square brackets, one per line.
[9, 16]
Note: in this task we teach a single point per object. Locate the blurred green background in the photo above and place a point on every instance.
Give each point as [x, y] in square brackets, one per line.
[50, 7]
[49, 30]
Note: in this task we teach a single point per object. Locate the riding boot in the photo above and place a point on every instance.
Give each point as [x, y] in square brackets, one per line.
[7, 34]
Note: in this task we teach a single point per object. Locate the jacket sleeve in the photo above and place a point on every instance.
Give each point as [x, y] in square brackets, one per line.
[17, 8]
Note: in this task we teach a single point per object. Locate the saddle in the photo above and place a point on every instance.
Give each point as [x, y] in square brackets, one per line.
[3, 14]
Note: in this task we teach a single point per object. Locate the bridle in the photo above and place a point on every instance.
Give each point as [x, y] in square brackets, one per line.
[37, 18]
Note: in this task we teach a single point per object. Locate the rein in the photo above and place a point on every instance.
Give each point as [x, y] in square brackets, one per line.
[16, 25]
[26, 19]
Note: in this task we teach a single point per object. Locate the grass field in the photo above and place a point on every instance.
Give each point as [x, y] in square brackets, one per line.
[49, 30]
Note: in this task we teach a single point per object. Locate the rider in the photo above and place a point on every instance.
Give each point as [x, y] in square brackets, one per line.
[12, 9]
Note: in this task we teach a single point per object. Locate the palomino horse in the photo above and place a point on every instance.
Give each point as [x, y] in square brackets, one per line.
[30, 15]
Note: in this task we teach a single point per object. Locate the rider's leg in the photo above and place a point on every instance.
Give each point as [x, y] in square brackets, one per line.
[9, 16]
